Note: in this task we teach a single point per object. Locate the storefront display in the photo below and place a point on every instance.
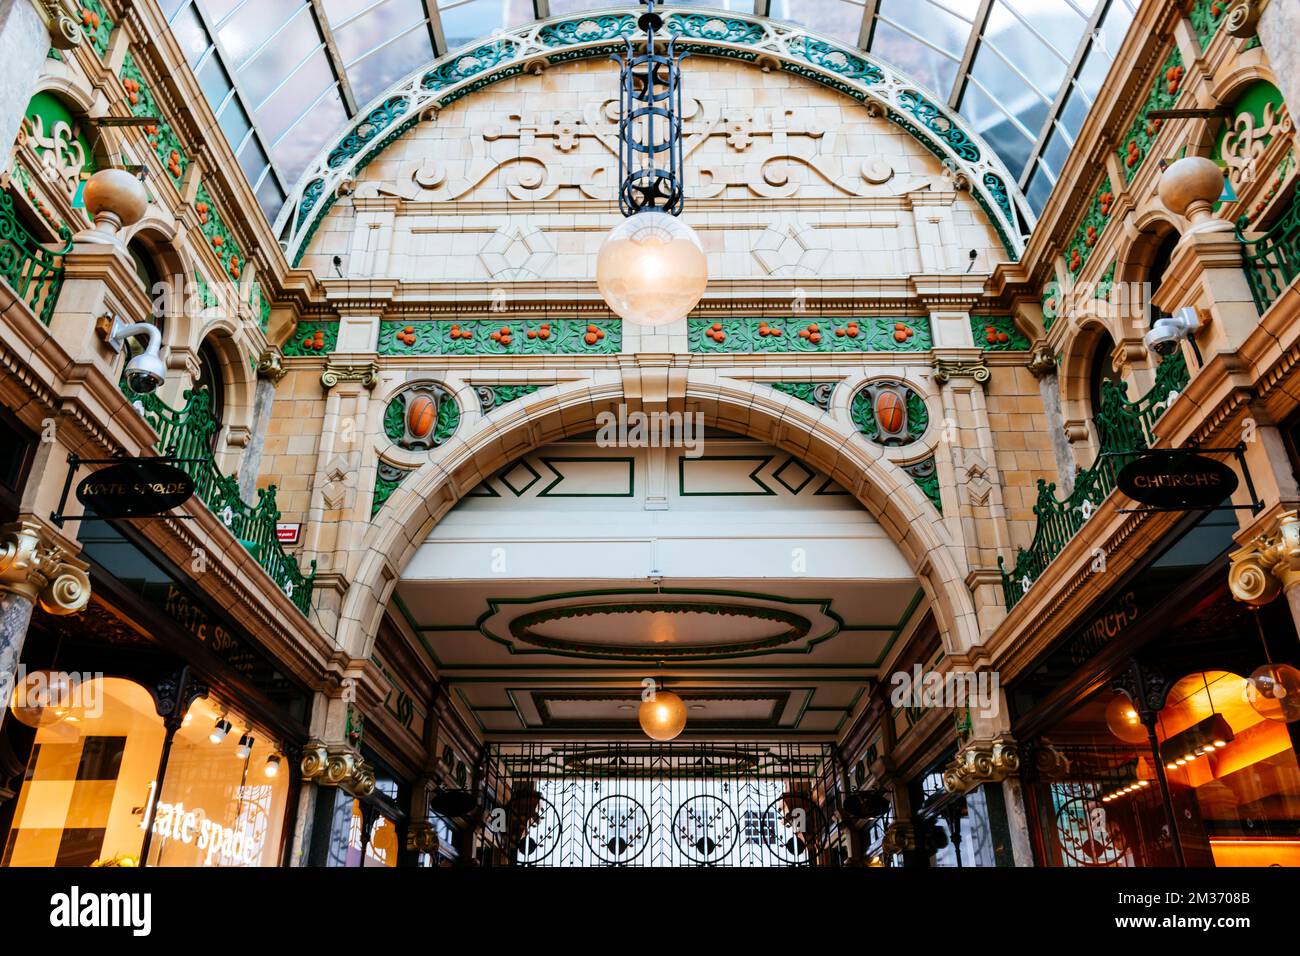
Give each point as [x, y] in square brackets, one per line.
[90, 796]
[1210, 776]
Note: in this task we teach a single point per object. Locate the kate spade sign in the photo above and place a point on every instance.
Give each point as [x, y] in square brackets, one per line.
[1177, 481]
[137, 488]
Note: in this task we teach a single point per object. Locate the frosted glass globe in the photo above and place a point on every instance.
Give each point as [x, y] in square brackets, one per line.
[662, 717]
[651, 269]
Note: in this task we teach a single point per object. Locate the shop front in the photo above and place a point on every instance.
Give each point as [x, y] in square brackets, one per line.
[147, 730]
[1146, 742]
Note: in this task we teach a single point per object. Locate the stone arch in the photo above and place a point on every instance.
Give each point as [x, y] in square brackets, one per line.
[1078, 359]
[818, 439]
[752, 39]
[238, 385]
[1153, 225]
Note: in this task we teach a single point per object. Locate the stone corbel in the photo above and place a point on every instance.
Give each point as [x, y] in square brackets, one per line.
[337, 765]
[43, 573]
[367, 375]
[271, 366]
[1041, 361]
[1268, 565]
[980, 762]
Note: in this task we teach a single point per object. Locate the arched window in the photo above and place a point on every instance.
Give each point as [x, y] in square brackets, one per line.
[1156, 272]
[211, 378]
[1100, 370]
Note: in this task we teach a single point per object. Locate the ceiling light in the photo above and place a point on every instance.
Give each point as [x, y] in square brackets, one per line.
[245, 746]
[662, 716]
[272, 765]
[220, 730]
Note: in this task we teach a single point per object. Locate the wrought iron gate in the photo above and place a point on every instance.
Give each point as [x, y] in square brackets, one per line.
[750, 805]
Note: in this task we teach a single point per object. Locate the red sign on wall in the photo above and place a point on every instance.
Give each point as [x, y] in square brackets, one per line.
[288, 532]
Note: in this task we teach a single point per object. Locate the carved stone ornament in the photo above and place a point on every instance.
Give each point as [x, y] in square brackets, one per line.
[1243, 18]
[899, 838]
[421, 837]
[65, 32]
[1041, 361]
[40, 572]
[1270, 564]
[946, 370]
[1050, 763]
[337, 765]
[367, 375]
[980, 762]
[271, 366]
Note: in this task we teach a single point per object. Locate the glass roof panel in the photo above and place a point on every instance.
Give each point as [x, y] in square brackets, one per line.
[381, 69]
[370, 30]
[1005, 63]
[840, 19]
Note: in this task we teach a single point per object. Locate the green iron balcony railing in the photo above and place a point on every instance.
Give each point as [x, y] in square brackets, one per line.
[34, 272]
[1272, 260]
[188, 433]
[1122, 426]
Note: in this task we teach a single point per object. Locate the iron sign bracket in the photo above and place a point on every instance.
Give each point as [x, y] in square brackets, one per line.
[57, 517]
[1238, 451]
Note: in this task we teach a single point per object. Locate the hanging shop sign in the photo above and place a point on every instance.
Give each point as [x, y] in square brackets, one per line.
[1176, 479]
[126, 488]
[288, 532]
[142, 488]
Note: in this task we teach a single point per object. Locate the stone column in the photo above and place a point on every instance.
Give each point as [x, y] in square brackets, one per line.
[270, 370]
[1276, 26]
[1042, 365]
[28, 28]
[32, 569]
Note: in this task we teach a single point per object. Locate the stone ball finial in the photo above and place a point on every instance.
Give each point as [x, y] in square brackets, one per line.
[115, 198]
[1191, 186]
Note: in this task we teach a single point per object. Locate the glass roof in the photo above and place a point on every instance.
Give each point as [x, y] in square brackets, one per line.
[285, 76]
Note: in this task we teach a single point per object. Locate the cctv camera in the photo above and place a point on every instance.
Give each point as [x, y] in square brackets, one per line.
[1168, 332]
[146, 371]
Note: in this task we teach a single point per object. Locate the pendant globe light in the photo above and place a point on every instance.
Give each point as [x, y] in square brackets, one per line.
[651, 268]
[1273, 690]
[662, 715]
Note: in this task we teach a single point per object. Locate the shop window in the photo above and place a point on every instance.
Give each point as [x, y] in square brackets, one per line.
[1233, 778]
[91, 782]
[379, 848]
[17, 447]
[219, 805]
[87, 783]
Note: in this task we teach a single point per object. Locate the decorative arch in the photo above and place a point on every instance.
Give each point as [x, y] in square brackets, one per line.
[1077, 361]
[822, 442]
[751, 39]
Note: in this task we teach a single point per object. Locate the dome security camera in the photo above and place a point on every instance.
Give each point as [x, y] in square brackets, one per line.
[146, 371]
[1168, 332]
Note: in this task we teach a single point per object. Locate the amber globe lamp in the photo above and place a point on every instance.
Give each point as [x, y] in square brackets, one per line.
[651, 269]
[1123, 720]
[662, 716]
[1274, 691]
[39, 700]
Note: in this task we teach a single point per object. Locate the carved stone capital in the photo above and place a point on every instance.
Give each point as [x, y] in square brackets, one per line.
[945, 370]
[65, 32]
[40, 571]
[421, 837]
[1041, 361]
[271, 366]
[337, 765]
[1268, 565]
[980, 762]
[367, 375]
[1243, 18]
